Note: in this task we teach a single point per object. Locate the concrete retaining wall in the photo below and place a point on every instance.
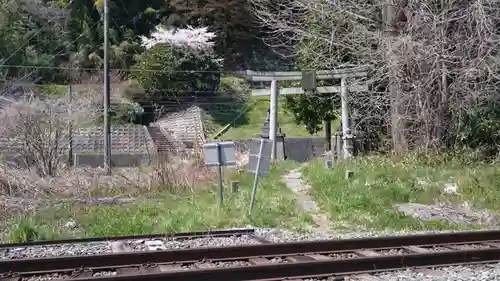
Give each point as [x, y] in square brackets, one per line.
[296, 149]
[118, 160]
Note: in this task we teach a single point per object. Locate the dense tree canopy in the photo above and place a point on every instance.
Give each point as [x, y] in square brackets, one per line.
[70, 33]
[32, 33]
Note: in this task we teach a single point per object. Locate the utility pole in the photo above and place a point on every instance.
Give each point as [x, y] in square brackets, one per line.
[70, 111]
[107, 125]
[273, 118]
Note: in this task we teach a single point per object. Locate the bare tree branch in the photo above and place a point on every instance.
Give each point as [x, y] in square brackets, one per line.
[36, 131]
[442, 56]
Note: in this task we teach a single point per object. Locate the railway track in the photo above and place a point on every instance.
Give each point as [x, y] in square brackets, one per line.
[334, 259]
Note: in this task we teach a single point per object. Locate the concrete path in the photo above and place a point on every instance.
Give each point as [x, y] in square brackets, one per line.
[300, 188]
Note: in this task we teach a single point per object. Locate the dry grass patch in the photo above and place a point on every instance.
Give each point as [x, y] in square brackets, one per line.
[168, 210]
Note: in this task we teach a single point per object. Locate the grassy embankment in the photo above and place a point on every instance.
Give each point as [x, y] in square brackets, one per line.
[367, 201]
[250, 123]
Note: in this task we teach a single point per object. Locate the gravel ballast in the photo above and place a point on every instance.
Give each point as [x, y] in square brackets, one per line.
[203, 242]
[81, 249]
[57, 250]
[486, 272]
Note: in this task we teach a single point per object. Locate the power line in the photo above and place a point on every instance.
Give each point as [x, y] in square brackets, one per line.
[119, 69]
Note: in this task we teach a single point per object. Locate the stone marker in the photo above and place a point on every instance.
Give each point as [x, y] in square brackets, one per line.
[235, 186]
[349, 174]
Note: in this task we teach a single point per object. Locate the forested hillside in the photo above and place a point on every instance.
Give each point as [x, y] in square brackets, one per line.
[70, 33]
[434, 75]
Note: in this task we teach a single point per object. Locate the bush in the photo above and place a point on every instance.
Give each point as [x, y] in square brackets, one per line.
[480, 129]
[166, 68]
[36, 132]
[177, 63]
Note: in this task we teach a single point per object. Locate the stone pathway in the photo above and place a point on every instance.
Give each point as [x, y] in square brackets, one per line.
[293, 180]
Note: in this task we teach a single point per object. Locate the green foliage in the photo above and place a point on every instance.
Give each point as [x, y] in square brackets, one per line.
[127, 112]
[165, 71]
[53, 90]
[480, 129]
[236, 86]
[312, 110]
[24, 230]
[27, 39]
[129, 20]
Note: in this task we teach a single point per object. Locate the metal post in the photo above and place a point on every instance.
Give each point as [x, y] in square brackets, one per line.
[70, 129]
[273, 126]
[257, 172]
[345, 118]
[107, 125]
[219, 175]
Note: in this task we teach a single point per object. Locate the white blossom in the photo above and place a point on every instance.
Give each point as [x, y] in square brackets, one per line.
[197, 39]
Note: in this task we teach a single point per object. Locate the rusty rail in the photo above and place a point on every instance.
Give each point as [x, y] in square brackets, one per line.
[335, 268]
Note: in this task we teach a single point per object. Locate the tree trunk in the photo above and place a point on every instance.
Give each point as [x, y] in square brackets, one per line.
[399, 140]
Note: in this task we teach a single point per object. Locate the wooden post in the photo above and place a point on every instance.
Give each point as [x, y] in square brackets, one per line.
[328, 135]
[70, 129]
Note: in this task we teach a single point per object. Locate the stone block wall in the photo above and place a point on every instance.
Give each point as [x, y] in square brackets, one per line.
[117, 160]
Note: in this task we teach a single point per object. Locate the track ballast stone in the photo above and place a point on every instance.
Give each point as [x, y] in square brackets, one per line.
[58, 250]
[485, 272]
[94, 248]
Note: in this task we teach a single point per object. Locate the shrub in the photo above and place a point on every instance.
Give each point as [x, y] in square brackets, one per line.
[177, 63]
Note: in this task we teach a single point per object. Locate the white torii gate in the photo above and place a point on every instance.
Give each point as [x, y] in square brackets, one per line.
[308, 84]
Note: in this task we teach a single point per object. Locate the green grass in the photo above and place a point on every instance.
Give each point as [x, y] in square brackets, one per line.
[256, 117]
[366, 202]
[249, 124]
[170, 212]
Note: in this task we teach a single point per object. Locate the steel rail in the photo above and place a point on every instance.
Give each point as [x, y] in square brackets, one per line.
[335, 268]
[242, 252]
[179, 235]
